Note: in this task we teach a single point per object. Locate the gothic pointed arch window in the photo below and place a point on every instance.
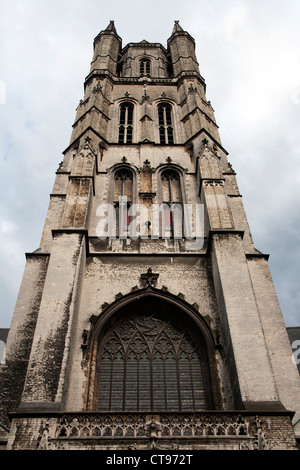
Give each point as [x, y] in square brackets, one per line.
[166, 133]
[123, 196]
[126, 123]
[149, 362]
[172, 203]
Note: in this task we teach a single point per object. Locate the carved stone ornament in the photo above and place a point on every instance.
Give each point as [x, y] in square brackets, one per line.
[149, 278]
[214, 183]
[97, 87]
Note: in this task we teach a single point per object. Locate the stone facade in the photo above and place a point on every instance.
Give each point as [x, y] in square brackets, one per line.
[144, 133]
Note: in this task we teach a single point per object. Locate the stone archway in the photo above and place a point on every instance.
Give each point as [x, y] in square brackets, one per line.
[151, 351]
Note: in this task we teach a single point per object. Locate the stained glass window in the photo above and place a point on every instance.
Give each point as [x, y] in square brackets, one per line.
[149, 363]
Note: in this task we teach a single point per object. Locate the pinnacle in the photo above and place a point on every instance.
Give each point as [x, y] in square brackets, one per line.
[176, 27]
[111, 26]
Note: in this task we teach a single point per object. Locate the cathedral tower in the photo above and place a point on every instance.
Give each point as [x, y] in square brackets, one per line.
[147, 318]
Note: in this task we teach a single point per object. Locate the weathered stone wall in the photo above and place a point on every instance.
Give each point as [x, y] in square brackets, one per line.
[49, 353]
[108, 278]
[260, 432]
[21, 334]
[277, 342]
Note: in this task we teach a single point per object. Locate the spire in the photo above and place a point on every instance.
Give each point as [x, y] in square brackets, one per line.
[111, 27]
[177, 28]
[179, 31]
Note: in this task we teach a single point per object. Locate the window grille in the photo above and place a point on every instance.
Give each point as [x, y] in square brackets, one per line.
[149, 363]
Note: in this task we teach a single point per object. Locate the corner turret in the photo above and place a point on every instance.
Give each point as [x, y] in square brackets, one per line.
[181, 46]
[107, 46]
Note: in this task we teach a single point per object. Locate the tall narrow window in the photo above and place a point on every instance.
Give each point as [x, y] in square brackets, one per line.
[126, 123]
[150, 363]
[123, 200]
[145, 67]
[165, 124]
[172, 204]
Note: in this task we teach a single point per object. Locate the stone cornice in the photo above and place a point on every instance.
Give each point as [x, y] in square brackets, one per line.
[180, 33]
[144, 44]
[171, 81]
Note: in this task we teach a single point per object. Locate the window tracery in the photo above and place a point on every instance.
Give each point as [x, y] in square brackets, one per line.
[172, 203]
[165, 124]
[123, 194]
[126, 123]
[148, 363]
[145, 65]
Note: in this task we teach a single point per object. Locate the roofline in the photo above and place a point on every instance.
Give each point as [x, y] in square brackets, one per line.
[144, 43]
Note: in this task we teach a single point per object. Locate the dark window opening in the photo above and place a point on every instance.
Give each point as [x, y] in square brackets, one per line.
[120, 69]
[172, 204]
[165, 124]
[145, 67]
[126, 123]
[123, 200]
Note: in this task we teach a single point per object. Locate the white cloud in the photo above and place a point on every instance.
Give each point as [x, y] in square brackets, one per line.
[7, 227]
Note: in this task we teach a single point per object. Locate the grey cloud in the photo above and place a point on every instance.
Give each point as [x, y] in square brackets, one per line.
[248, 53]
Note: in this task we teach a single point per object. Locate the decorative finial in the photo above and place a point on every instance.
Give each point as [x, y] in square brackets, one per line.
[177, 26]
[111, 26]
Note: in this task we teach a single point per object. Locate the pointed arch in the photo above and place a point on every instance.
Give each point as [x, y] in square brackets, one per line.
[173, 370]
[126, 112]
[171, 196]
[165, 123]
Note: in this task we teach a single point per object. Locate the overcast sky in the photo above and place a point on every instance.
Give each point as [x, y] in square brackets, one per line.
[249, 54]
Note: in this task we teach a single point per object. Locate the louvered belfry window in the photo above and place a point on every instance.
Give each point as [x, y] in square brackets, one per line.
[172, 204]
[123, 199]
[126, 123]
[165, 124]
[149, 363]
